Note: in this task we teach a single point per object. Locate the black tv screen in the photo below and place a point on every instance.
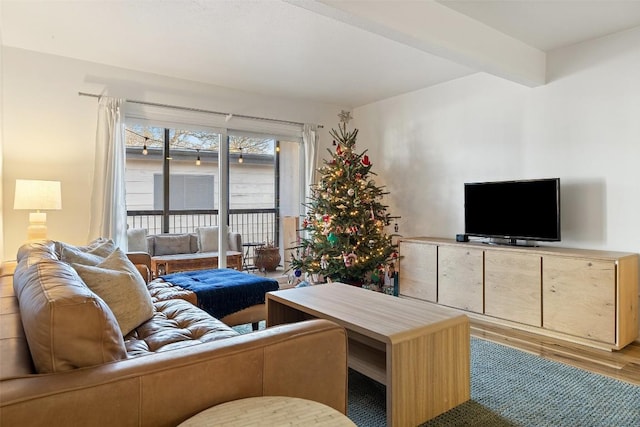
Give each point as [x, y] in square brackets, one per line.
[525, 210]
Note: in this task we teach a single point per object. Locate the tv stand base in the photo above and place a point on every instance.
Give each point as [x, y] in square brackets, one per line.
[535, 287]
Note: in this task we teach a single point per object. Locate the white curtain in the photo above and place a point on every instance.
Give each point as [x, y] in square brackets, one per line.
[108, 204]
[310, 143]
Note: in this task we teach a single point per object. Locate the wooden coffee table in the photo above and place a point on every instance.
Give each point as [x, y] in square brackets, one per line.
[419, 351]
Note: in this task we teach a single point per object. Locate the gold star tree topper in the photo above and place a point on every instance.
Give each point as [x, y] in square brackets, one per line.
[345, 116]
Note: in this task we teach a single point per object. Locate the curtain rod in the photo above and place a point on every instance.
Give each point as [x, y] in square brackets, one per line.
[200, 110]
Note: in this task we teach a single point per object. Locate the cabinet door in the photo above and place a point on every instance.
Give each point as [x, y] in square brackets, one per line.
[418, 270]
[513, 287]
[579, 297]
[460, 274]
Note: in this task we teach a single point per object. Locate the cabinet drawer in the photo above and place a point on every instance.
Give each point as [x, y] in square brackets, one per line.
[418, 271]
[579, 297]
[460, 277]
[513, 287]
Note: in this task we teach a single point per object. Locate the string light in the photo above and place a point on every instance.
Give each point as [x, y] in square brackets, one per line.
[198, 158]
[240, 159]
[144, 147]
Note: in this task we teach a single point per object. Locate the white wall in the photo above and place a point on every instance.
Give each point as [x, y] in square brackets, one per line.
[583, 126]
[49, 131]
[1, 149]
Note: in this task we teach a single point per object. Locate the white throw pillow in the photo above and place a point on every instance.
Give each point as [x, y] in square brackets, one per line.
[117, 281]
[207, 239]
[137, 240]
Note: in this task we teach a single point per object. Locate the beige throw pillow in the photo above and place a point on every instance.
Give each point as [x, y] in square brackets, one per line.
[102, 249]
[73, 255]
[117, 281]
[207, 239]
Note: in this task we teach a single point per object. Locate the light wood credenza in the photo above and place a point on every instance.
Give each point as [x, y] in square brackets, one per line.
[585, 296]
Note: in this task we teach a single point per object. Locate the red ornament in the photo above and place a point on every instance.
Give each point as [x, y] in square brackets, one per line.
[326, 217]
[365, 161]
[358, 175]
[339, 150]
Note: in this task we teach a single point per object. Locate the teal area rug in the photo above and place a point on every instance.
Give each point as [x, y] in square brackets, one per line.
[513, 388]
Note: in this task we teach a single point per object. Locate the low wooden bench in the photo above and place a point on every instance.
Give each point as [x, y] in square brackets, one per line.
[165, 264]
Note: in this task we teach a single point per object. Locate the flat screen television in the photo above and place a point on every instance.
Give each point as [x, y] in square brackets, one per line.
[513, 210]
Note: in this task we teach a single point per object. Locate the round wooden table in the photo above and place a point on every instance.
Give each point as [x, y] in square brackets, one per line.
[269, 411]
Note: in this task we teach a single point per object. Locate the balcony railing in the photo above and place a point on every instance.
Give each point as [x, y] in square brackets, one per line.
[254, 225]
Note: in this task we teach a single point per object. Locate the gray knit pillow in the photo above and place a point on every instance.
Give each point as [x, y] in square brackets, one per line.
[171, 245]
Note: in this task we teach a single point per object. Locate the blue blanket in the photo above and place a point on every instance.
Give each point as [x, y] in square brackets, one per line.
[224, 291]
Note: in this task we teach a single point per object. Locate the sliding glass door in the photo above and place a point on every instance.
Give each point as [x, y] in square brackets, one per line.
[174, 177]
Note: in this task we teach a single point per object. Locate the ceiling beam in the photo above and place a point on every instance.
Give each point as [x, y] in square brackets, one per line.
[436, 29]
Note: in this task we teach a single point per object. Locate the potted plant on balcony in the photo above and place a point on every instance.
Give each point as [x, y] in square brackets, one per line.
[267, 257]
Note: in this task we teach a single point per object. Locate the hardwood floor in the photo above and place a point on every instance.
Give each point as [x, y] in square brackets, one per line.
[623, 364]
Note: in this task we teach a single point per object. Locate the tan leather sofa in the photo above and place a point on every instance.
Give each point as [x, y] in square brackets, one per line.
[176, 364]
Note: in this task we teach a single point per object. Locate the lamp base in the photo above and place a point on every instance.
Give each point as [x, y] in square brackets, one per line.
[37, 232]
[37, 229]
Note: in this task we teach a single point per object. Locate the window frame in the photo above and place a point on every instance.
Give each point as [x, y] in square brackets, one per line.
[193, 120]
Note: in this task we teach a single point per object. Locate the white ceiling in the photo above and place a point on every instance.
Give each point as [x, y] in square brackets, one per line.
[329, 51]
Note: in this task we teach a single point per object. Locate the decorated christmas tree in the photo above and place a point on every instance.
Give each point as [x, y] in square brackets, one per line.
[343, 236]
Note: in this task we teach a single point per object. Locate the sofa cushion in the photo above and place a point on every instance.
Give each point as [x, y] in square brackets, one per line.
[151, 244]
[194, 242]
[172, 244]
[66, 324]
[137, 240]
[175, 324]
[207, 239]
[117, 281]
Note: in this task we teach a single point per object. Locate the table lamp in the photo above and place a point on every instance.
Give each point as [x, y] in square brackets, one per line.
[37, 195]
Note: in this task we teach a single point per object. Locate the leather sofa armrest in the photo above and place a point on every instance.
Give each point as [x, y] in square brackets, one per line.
[306, 359]
[142, 261]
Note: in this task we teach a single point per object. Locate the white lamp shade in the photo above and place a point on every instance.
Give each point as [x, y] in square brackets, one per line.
[37, 195]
